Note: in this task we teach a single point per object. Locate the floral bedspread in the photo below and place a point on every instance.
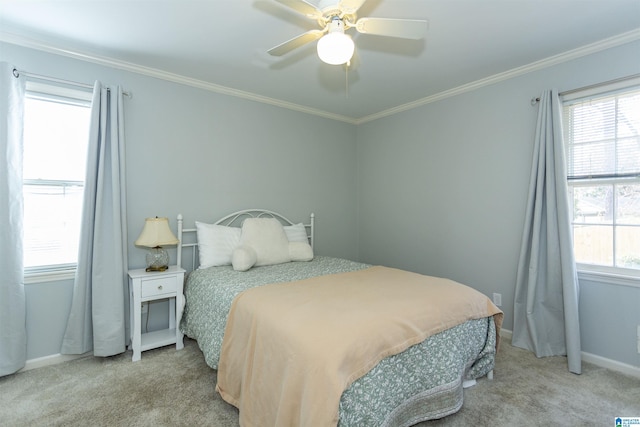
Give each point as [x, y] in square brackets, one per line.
[436, 366]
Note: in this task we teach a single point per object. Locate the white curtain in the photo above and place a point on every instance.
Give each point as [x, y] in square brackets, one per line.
[98, 312]
[13, 331]
[546, 317]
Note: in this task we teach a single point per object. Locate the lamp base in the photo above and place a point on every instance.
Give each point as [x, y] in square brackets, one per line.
[160, 268]
[157, 259]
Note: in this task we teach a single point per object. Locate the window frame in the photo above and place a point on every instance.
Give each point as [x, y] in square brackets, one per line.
[61, 93]
[596, 272]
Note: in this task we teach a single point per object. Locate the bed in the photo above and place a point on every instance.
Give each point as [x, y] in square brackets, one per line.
[277, 378]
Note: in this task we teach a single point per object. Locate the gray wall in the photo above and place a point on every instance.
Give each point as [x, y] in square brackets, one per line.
[442, 191]
[205, 155]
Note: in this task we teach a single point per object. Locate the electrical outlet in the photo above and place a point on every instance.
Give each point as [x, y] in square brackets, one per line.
[497, 299]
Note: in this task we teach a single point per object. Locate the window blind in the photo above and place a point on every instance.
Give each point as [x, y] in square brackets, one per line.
[602, 136]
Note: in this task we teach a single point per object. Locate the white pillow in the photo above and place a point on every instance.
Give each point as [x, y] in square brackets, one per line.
[244, 257]
[216, 244]
[296, 233]
[267, 238]
[300, 251]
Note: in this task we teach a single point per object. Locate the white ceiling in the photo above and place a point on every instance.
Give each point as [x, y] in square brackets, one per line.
[222, 44]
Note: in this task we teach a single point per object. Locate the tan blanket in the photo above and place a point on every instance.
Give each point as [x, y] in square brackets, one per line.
[291, 349]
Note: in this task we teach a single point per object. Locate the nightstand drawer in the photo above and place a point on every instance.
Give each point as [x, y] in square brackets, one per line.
[159, 286]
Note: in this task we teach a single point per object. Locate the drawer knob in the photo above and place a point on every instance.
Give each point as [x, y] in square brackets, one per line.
[160, 287]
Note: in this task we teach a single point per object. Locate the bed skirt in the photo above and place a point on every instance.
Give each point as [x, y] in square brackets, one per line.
[445, 399]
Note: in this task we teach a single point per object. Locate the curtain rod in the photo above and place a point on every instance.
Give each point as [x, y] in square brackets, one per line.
[17, 73]
[535, 100]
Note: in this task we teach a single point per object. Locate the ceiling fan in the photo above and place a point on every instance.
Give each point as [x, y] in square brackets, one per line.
[334, 18]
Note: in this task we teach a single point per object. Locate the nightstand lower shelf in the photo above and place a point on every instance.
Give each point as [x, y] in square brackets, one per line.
[155, 339]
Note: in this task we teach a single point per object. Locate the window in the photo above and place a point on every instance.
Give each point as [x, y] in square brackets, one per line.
[602, 137]
[56, 130]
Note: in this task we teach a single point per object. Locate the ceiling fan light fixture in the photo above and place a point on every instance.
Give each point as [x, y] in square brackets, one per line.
[336, 48]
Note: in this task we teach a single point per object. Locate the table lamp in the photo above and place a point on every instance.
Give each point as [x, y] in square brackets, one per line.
[155, 234]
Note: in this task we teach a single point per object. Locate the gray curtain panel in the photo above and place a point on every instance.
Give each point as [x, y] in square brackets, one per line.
[97, 317]
[13, 330]
[546, 317]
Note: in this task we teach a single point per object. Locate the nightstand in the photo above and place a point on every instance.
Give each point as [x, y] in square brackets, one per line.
[152, 286]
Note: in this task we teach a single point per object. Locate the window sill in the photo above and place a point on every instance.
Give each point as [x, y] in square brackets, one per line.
[49, 276]
[621, 277]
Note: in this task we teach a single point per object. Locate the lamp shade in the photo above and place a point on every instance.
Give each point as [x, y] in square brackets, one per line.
[156, 232]
[335, 48]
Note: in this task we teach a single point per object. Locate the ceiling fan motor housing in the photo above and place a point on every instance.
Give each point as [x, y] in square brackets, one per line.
[336, 24]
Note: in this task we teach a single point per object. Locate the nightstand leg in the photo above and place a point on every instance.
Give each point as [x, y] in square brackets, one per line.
[136, 327]
[179, 309]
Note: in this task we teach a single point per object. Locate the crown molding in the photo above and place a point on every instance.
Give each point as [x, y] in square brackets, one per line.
[608, 43]
[165, 75]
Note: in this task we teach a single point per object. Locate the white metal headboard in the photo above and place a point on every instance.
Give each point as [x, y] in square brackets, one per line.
[232, 220]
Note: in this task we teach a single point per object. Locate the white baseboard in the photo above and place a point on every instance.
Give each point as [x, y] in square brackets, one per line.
[594, 359]
[603, 362]
[53, 359]
[614, 365]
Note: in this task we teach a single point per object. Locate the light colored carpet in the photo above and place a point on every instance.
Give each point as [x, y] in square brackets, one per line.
[176, 388]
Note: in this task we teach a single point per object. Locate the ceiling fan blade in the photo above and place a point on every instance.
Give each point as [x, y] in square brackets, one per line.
[296, 42]
[350, 7]
[301, 6]
[403, 28]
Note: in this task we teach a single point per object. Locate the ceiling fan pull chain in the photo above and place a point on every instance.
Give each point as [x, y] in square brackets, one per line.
[346, 79]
